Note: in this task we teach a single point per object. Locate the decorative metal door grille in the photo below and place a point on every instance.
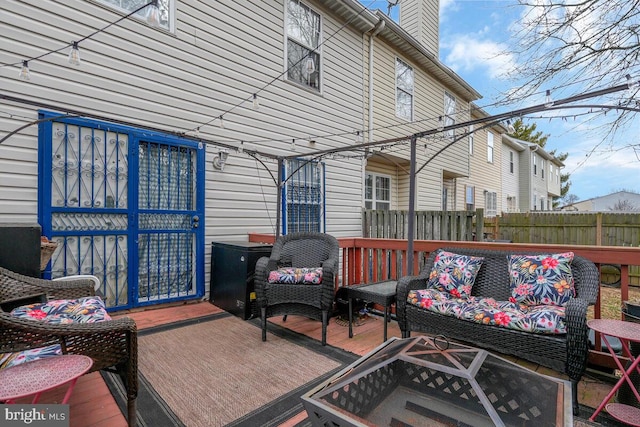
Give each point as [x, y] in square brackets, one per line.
[304, 197]
[123, 210]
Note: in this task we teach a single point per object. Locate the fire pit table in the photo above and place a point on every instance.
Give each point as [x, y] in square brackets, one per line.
[429, 381]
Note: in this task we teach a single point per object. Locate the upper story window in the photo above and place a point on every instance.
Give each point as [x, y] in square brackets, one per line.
[550, 172]
[377, 192]
[166, 8]
[535, 165]
[542, 166]
[557, 175]
[511, 162]
[449, 114]
[489, 147]
[491, 203]
[404, 90]
[471, 140]
[303, 40]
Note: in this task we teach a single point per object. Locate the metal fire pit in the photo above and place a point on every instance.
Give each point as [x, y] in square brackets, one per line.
[427, 381]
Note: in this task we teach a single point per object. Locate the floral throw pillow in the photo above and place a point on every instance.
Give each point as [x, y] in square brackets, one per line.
[541, 279]
[454, 273]
[309, 276]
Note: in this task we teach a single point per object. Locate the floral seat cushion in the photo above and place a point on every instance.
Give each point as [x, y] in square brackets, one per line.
[542, 279]
[293, 275]
[454, 273]
[82, 310]
[541, 319]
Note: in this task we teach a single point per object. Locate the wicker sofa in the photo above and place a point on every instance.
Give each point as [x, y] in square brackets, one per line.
[565, 352]
[112, 344]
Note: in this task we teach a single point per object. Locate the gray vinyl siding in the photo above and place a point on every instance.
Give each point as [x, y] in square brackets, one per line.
[421, 19]
[219, 54]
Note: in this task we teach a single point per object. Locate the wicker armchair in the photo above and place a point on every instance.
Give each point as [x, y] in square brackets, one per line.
[111, 344]
[304, 249]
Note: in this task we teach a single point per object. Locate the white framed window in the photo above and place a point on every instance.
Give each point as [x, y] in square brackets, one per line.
[166, 7]
[304, 30]
[471, 140]
[542, 166]
[303, 196]
[550, 171]
[491, 203]
[511, 162]
[377, 191]
[404, 90]
[535, 201]
[512, 204]
[470, 197]
[489, 147]
[535, 165]
[557, 175]
[449, 114]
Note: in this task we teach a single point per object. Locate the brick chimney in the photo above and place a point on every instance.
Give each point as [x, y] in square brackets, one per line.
[421, 19]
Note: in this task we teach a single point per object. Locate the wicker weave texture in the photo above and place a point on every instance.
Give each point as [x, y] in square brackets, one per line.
[111, 344]
[304, 249]
[564, 353]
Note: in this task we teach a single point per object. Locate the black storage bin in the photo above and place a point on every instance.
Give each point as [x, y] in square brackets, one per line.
[232, 270]
[20, 248]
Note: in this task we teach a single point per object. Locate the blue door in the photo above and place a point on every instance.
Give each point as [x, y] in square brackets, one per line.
[125, 205]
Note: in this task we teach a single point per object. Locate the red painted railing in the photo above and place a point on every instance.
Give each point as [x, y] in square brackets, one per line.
[370, 260]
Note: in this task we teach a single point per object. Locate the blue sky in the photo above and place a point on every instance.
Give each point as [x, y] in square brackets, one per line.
[474, 42]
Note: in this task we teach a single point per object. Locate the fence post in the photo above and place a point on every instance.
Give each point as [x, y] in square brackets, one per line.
[480, 225]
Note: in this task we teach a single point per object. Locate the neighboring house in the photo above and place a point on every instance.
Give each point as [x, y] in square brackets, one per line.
[413, 91]
[482, 188]
[511, 154]
[539, 175]
[620, 201]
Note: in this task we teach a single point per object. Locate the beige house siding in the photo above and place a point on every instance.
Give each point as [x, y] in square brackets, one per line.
[421, 19]
[219, 54]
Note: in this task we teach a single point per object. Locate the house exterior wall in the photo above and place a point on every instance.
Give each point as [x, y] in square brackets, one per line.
[219, 54]
[510, 181]
[421, 20]
[608, 203]
[428, 105]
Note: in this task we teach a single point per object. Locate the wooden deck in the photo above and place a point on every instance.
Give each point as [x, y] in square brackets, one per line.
[92, 405]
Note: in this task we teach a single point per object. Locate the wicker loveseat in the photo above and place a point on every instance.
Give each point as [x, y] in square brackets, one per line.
[563, 352]
[110, 343]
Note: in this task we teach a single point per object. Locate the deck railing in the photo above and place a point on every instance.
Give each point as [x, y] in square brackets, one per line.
[369, 260]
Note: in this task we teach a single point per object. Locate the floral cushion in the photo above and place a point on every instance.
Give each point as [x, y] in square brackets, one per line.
[541, 279]
[541, 319]
[454, 273]
[310, 276]
[82, 310]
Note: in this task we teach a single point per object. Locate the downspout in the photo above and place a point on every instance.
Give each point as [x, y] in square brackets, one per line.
[373, 33]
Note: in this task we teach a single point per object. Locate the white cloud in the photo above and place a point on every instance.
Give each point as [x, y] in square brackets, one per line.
[469, 53]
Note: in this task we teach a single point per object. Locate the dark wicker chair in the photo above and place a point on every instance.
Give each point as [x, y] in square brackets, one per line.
[564, 353]
[111, 344]
[305, 249]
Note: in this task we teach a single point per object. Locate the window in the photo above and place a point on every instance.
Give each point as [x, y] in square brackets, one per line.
[535, 201]
[449, 114]
[491, 203]
[535, 165]
[470, 197]
[128, 6]
[542, 203]
[304, 194]
[303, 40]
[511, 164]
[512, 205]
[557, 175]
[404, 90]
[550, 171]
[471, 140]
[377, 192]
[489, 147]
[542, 166]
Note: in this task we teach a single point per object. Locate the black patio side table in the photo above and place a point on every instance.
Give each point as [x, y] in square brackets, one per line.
[383, 293]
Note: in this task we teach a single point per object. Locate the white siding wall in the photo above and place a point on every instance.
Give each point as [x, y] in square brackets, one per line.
[510, 183]
[219, 54]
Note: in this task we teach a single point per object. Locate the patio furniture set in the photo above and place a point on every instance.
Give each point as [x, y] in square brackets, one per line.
[490, 299]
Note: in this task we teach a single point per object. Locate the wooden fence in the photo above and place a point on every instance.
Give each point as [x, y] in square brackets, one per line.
[429, 225]
[568, 228]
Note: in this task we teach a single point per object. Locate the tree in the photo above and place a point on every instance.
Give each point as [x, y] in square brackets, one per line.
[579, 45]
[527, 132]
[623, 205]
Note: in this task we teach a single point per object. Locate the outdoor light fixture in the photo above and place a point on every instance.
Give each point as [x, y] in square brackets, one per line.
[358, 137]
[74, 54]
[241, 147]
[24, 72]
[153, 13]
[440, 124]
[256, 103]
[220, 160]
[510, 127]
[293, 144]
[548, 101]
[221, 123]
